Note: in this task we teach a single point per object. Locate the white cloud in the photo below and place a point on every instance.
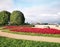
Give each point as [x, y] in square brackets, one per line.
[6, 4]
[41, 14]
[35, 13]
[58, 13]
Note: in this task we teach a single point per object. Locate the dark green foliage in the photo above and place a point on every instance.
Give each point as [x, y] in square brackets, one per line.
[27, 23]
[17, 18]
[4, 17]
[9, 42]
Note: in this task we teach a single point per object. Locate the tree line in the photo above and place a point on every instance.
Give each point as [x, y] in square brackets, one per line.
[14, 18]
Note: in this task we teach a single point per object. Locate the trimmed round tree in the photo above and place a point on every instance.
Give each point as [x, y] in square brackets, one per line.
[4, 17]
[17, 18]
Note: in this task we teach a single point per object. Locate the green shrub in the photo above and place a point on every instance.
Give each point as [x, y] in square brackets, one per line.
[17, 18]
[4, 17]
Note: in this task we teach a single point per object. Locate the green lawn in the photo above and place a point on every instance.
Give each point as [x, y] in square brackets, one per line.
[9, 42]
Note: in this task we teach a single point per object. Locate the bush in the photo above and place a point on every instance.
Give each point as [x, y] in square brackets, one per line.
[4, 17]
[17, 18]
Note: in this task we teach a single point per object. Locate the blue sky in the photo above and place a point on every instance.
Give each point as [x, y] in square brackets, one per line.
[27, 3]
[34, 10]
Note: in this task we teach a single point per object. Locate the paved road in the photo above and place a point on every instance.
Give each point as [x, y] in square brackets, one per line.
[28, 37]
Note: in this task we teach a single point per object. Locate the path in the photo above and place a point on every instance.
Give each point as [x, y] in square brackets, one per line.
[28, 37]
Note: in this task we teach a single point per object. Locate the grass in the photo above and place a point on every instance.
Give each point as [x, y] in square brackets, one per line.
[9, 42]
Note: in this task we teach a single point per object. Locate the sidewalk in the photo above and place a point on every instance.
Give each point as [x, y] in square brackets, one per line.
[28, 37]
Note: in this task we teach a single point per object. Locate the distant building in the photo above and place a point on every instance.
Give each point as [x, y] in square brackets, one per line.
[41, 23]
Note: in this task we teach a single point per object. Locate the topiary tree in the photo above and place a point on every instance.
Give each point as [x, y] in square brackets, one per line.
[17, 18]
[4, 17]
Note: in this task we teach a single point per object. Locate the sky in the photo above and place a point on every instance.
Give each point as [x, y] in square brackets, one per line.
[35, 11]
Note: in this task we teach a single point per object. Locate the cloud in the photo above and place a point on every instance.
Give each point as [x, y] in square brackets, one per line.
[47, 12]
[41, 14]
[6, 4]
[34, 10]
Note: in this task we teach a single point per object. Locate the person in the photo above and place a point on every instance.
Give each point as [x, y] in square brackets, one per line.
[48, 27]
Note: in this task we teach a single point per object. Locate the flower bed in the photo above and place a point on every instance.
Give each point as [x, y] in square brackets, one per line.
[33, 30]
